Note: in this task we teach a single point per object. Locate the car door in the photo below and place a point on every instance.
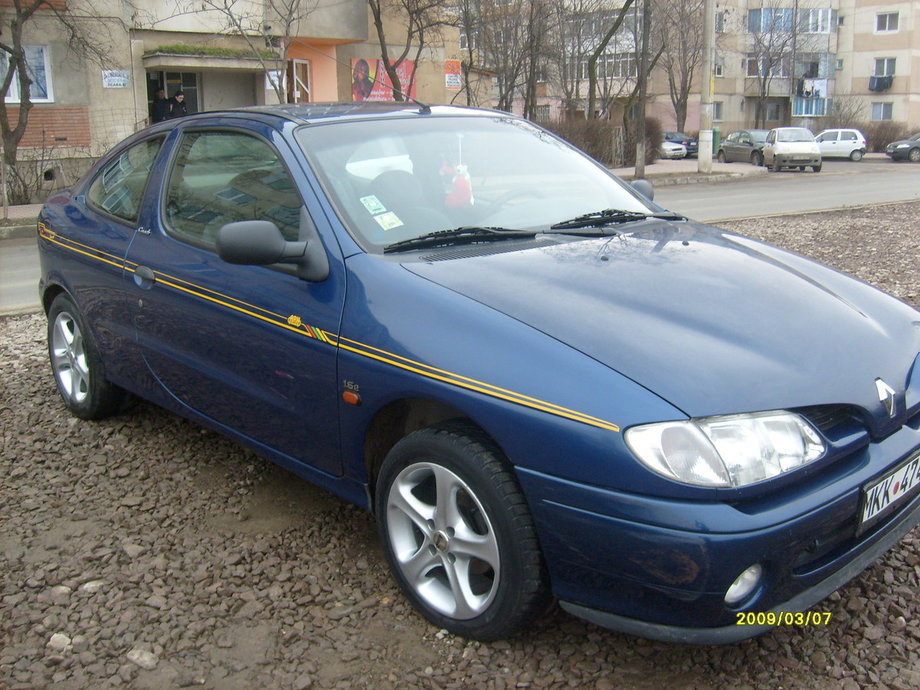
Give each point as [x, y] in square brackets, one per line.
[829, 144]
[769, 147]
[244, 346]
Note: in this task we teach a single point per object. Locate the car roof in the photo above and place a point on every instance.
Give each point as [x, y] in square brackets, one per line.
[304, 113]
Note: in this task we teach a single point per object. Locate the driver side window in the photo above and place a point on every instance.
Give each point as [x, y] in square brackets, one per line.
[223, 177]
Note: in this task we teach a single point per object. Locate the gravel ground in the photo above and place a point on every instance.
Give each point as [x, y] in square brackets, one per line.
[146, 552]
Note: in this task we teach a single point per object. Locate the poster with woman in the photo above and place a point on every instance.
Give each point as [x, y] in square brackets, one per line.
[370, 81]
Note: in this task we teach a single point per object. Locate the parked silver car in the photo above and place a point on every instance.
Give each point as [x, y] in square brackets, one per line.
[791, 147]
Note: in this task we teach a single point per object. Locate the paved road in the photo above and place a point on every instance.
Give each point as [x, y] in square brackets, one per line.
[839, 184]
[19, 271]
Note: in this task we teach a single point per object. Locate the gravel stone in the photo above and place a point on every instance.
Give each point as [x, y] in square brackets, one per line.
[157, 554]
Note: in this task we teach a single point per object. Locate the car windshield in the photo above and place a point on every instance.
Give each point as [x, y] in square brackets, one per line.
[794, 134]
[397, 179]
[916, 137]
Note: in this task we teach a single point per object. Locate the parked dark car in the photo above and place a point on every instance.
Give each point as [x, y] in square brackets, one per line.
[692, 145]
[745, 146]
[539, 381]
[905, 149]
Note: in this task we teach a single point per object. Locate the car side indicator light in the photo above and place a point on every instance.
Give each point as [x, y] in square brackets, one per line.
[351, 398]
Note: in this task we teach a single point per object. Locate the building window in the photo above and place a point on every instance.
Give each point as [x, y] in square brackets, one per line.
[720, 22]
[886, 22]
[810, 107]
[717, 111]
[38, 60]
[779, 68]
[770, 20]
[718, 66]
[612, 66]
[884, 67]
[815, 21]
[468, 41]
[541, 113]
[881, 111]
[839, 64]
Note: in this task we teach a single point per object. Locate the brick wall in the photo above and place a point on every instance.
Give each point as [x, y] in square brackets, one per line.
[54, 126]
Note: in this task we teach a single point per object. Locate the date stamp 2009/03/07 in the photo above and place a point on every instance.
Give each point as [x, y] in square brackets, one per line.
[783, 618]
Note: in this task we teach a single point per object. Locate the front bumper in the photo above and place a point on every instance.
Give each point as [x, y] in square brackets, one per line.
[660, 568]
[797, 159]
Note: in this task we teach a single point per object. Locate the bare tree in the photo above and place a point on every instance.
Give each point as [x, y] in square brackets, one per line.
[771, 29]
[619, 17]
[422, 19]
[79, 21]
[678, 28]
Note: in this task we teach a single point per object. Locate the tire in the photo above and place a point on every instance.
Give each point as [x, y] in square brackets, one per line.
[816, 168]
[914, 155]
[457, 533]
[756, 158]
[77, 368]
[776, 167]
[856, 155]
[721, 156]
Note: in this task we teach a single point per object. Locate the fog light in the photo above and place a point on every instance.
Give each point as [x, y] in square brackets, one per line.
[744, 585]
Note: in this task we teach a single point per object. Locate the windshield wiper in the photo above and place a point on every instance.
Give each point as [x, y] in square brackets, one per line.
[461, 235]
[610, 216]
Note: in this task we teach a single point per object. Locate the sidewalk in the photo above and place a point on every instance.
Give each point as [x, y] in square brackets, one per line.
[26, 214]
[685, 171]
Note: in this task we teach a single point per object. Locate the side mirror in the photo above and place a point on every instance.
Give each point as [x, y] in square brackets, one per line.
[256, 243]
[644, 187]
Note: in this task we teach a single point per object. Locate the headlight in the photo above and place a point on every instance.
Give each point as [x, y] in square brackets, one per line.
[903, 146]
[729, 451]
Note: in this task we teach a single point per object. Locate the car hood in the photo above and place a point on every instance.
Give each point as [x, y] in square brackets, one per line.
[908, 142]
[712, 322]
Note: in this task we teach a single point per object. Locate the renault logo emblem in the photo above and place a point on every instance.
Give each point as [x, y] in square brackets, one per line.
[885, 396]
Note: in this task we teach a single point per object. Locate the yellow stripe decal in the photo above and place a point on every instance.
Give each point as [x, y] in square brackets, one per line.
[295, 324]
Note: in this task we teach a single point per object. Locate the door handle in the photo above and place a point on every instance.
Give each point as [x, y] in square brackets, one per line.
[144, 277]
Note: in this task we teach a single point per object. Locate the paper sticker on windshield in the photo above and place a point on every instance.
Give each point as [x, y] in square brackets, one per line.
[372, 204]
[388, 220]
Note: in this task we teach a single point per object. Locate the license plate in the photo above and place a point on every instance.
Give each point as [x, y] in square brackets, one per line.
[892, 489]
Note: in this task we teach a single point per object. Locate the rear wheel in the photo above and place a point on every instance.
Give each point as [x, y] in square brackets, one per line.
[816, 168]
[77, 368]
[457, 533]
[721, 156]
[756, 158]
[856, 155]
[914, 155]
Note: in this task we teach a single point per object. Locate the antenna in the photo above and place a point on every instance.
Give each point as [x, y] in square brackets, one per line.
[424, 108]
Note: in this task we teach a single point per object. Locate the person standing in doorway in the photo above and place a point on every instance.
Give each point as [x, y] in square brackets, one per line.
[160, 106]
[177, 107]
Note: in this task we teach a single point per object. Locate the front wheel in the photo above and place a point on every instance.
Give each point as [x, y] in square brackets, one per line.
[457, 533]
[721, 156]
[77, 368]
[756, 159]
[816, 168]
[914, 155]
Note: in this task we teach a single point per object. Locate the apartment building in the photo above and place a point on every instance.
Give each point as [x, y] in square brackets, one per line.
[780, 62]
[81, 108]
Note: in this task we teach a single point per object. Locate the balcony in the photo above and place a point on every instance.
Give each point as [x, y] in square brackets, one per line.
[880, 83]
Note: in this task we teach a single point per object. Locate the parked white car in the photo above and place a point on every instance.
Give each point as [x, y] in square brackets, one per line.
[842, 143]
[791, 147]
[670, 149]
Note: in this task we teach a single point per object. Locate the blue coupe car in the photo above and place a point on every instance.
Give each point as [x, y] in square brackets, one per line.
[543, 384]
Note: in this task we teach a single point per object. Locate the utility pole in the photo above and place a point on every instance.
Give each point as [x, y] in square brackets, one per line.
[643, 91]
[704, 155]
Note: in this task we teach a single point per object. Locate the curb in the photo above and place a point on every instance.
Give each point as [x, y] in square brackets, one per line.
[16, 232]
[668, 180]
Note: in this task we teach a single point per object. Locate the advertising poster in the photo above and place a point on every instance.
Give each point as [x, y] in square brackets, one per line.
[370, 81]
[453, 78]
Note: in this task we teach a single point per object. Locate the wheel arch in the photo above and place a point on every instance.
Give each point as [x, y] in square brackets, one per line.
[397, 419]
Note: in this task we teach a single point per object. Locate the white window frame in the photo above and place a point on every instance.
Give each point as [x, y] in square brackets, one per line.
[887, 29]
[883, 106]
[810, 107]
[815, 20]
[718, 66]
[717, 108]
[889, 67]
[13, 95]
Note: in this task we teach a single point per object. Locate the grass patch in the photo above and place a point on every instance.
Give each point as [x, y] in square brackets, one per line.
[209, 51]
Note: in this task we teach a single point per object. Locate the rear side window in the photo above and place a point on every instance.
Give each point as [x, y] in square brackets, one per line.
[119, 187]
[224, 177]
